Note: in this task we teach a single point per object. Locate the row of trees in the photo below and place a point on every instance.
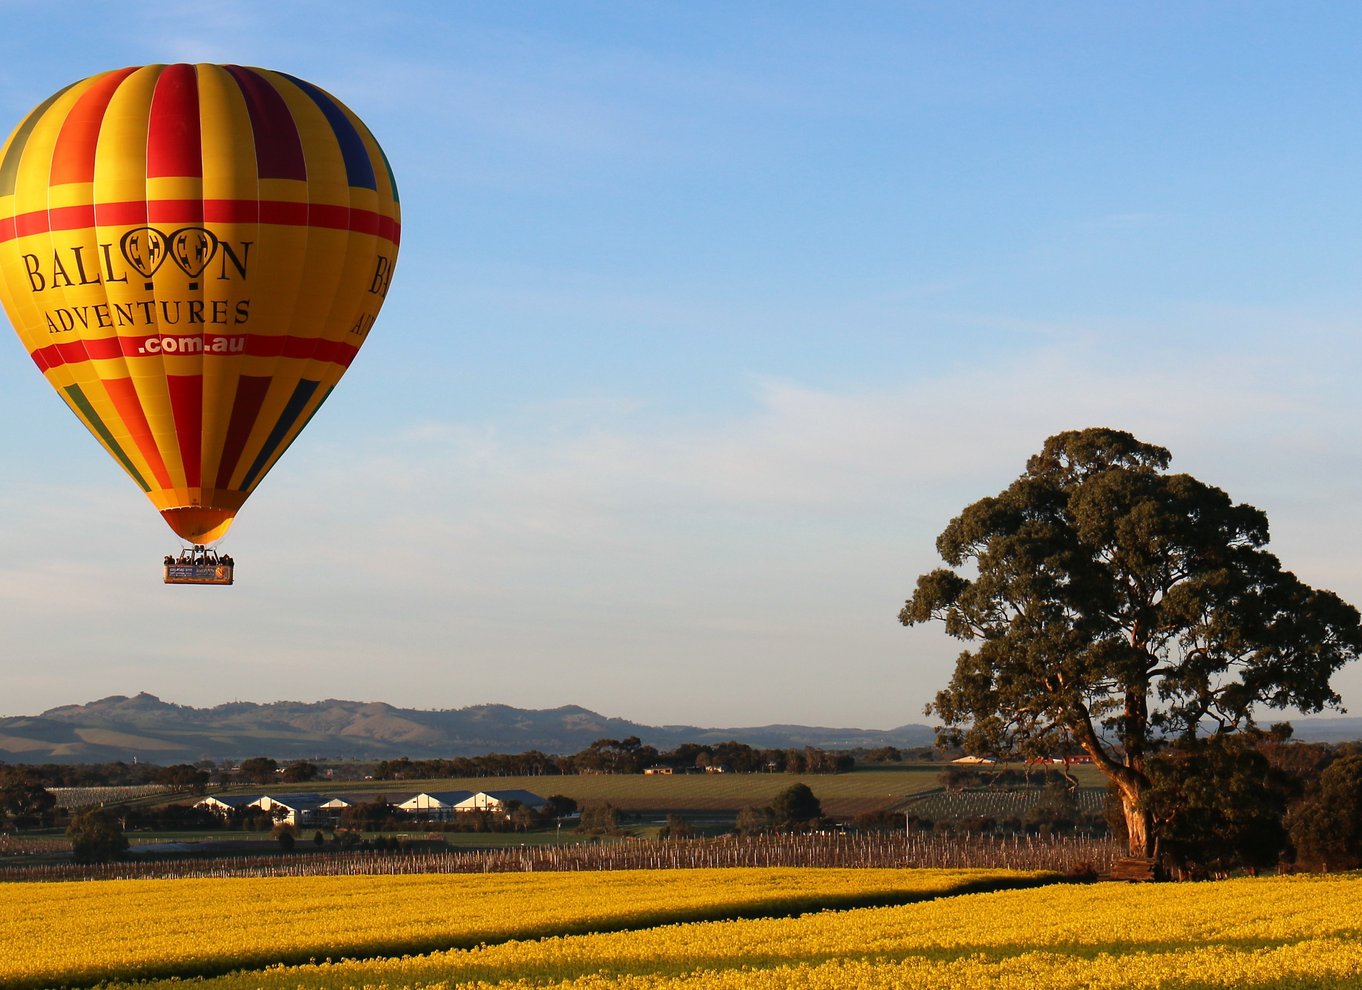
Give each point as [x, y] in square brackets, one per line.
[793, 809]
[629, 755]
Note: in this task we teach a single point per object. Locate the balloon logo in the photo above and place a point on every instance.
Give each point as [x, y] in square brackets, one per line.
[145, 249]
[192, 256]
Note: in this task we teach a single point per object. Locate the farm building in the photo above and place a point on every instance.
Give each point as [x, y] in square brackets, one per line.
[297, 809]
[437, 806]
[293, 809]
[228, 804]
[324, 810]
[498, 800]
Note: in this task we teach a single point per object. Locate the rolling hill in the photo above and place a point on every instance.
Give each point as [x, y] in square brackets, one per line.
[146, 728]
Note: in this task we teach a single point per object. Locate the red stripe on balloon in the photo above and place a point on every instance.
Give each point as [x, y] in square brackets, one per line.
[73, 155]
[192, 211]
[174, 139]
[116, 215]
[186, 406]
[250, 396]
[194, 345]
[129, 408]
[175, 211]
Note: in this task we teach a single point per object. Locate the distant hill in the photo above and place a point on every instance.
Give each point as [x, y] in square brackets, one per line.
[146, 728]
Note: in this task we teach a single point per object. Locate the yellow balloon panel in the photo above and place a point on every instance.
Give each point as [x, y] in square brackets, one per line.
[192, 255]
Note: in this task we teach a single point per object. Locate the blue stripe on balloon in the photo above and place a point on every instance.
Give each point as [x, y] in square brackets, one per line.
[358, 167]
[296, 404]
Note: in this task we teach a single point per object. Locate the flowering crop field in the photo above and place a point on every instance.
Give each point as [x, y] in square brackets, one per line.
[1280, 932]
[1284, 932]
[78, 934]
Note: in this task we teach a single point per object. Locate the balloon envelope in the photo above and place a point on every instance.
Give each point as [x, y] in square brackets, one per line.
[193, 255]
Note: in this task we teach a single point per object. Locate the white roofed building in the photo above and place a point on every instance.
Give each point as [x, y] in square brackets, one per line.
[228, 804]
[434, 806]
[298, 809]
[499, 800]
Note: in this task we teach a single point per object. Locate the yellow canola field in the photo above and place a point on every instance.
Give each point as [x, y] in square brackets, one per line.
[81, 933]
[1296, 932]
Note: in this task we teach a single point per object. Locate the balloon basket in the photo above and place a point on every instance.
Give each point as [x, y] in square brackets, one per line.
[198, 565]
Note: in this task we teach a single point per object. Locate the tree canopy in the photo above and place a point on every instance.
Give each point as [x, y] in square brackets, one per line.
[1111, 605]
[795, 806]
[1326, 828]
[96, 837]
[24, 797]
[258, 770]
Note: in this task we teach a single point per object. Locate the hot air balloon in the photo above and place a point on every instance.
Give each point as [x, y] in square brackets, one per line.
[193, 255]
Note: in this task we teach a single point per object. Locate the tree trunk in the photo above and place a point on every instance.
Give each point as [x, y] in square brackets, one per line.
[1131, 784]
[1139, 823]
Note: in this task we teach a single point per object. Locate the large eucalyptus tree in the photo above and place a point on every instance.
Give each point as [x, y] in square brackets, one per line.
[1111, 605]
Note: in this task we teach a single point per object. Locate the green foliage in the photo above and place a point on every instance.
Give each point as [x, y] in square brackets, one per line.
[184, 777]
[1113, 604]
[795, 807]
[372, 815]
[1218, 804]
[615, 756]
[883, 754]
[599, 819]
[168, 817]
[754, 821]
[258, 770]
[559, 806]
[676, 828]
[1326, 828]
[24, 798]
[299, 771]
[96, 837]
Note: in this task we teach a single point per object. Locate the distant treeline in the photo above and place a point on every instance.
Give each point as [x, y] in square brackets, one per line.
[628, 755]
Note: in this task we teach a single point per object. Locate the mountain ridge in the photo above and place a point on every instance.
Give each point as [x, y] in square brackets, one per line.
[143, 727]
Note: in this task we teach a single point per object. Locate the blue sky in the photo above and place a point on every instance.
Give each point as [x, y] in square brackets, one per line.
[708, 317]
